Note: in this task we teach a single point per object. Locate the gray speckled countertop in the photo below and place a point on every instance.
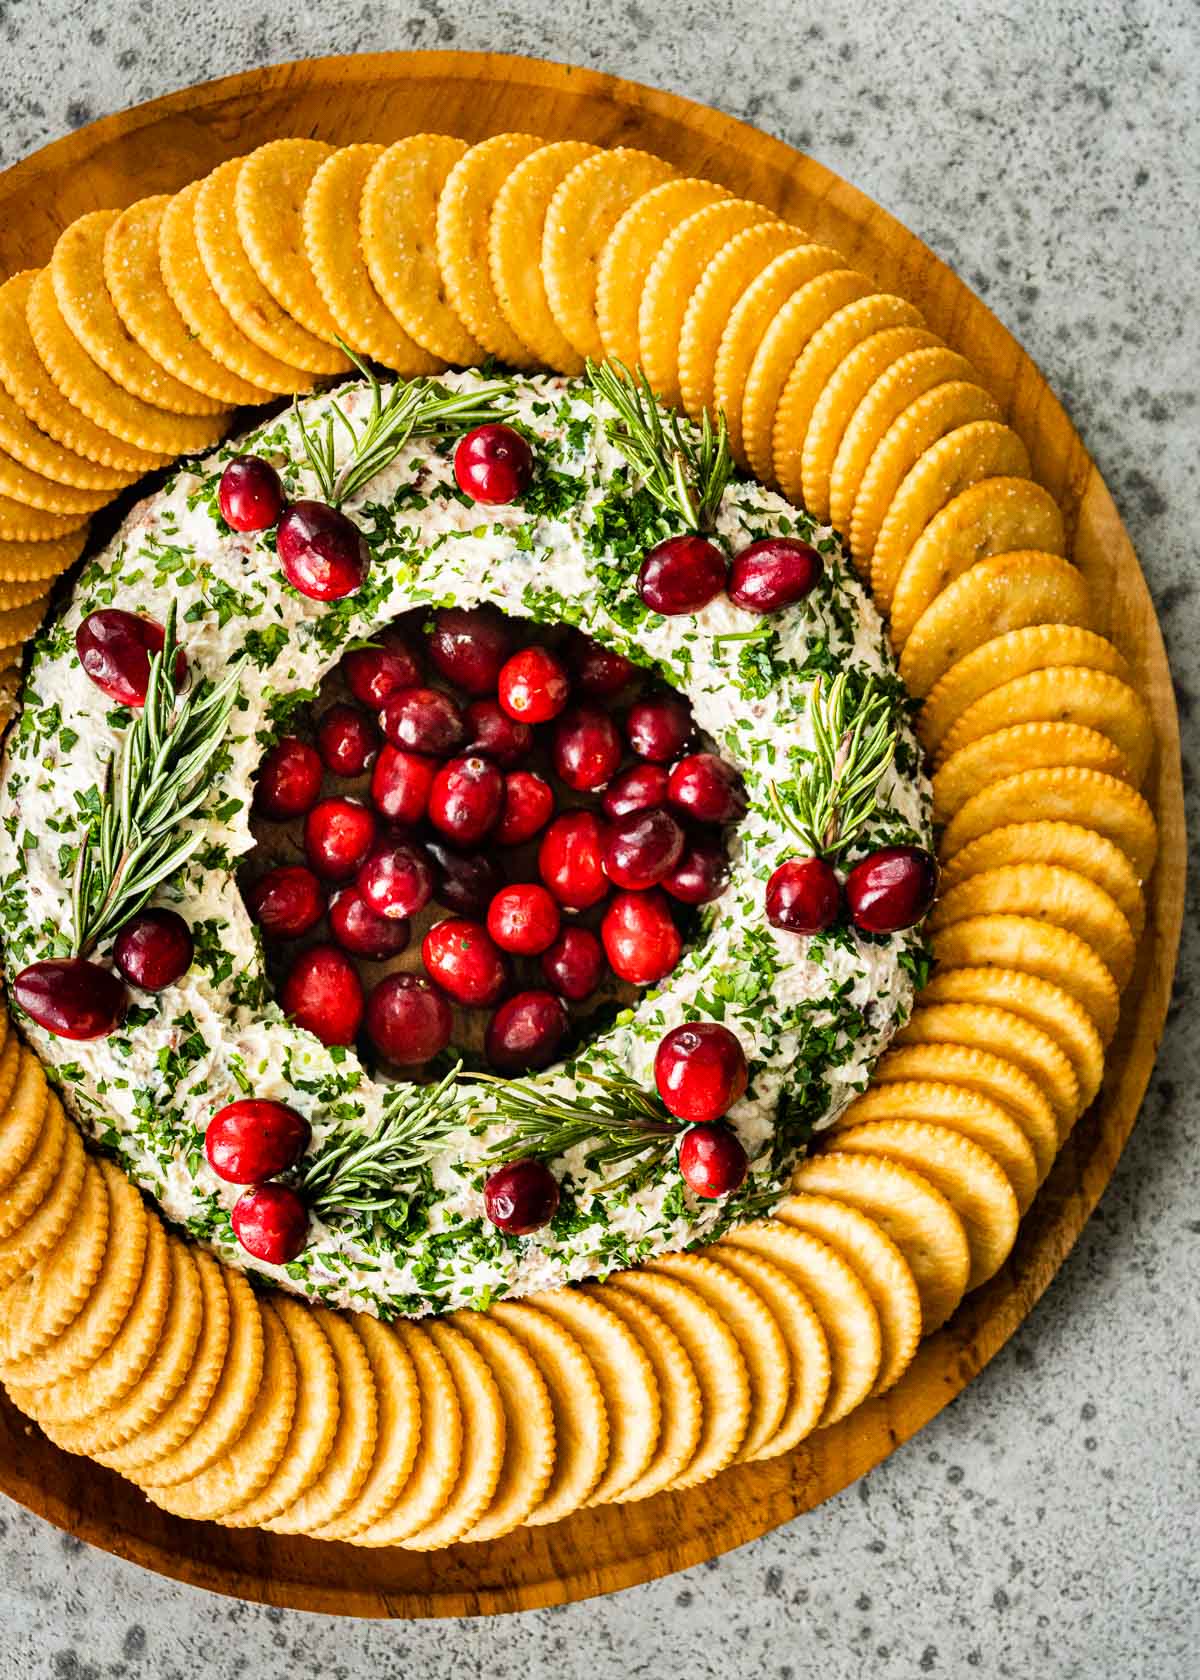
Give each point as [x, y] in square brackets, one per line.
[1047, 1522]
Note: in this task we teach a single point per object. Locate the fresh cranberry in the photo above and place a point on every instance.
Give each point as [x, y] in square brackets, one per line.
[287, 902]
[115, 649]
[523, 919]
[642, 850]
[574, 964]
[401, 783]
[358, 929]
[71, 997]
[640, 939]
[388, 664]
[289, 780]
[700, 1071]
[521, 1197]
[497, 736]
[702, 873]
[338, 834]
[528, 807]
[533, 685]
[465, 882]
[347, 740]
[707, 788]
[469, 645]
[803, 895]
[323, 554]
[638, 789]
[493, 464]
[396, 880]
[772, 574]
[712, 1161]
[466, 799]
[408, 1020]
[423, 720]
[599, 671]
[323, 994]
[250, 495]
[526, 1032]
[271, 1223]
[659, 727]
[892, 889]
[587, 748]
[154, 949]
[462, 957]
[571, 859]
[681, 575]
[254, 1139]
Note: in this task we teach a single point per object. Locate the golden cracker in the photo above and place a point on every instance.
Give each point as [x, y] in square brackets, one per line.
[230, 1399]
[680, 1408]
[269, 195]
[1062, 794]
[22, 1108]
[1002, 1034]
[515, 250]
[879, 1266]
[1026, 746]
[529, 1447]
[1045, 892]
[35, 450]
[586, 207]
[823, 355]
[967, 456]
[40, 562]
[809, 1368]
[992, 1076]
[1005, 592]
[352, 1451]
[842, 1304]
[715, 1358]
[28, 382]
[580, 1415]
[628, 256]
[967, 1112]
[1037, 647]
[674, 275]
[314, 1423]
[192, 292]
[12, 596]
[17, 624]
[41, 1198]
[99, 398]
[758, 1335]
[398, 229]
[995, 516]
[103, 1312]
[749, 319]
[632, 1403]
[248, 1462]
[782, 345]
[39, 1305]
[21, 523]
[1066, 844]
[1059, 1015]
[238, 286]
[476, 1471]
[81, 291]
[133, 274]
[464, 212]
[1052, 953]
[32, 490]
[334, 250]
[837, 404]
[418, 1444]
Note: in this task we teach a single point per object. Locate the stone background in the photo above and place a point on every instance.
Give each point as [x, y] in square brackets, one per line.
[1047, 1522]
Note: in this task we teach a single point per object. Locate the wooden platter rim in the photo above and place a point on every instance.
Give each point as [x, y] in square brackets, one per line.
[83, 1499]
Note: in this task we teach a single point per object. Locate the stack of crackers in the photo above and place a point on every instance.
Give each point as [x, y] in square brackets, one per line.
[133, 345]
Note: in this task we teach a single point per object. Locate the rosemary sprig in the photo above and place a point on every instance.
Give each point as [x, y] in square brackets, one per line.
[621, 1120]
[162, 779]
[368, 1173]
[686, 478]
[414, 408]
[839, 796]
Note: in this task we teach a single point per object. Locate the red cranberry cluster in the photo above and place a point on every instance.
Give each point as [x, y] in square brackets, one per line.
[886, 892]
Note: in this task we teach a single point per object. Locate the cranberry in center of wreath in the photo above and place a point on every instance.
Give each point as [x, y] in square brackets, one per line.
[482, 832]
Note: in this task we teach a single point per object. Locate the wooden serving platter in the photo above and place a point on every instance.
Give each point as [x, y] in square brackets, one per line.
[159, 147]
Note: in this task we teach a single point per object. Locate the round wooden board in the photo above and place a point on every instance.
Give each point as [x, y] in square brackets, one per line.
[160, 146]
